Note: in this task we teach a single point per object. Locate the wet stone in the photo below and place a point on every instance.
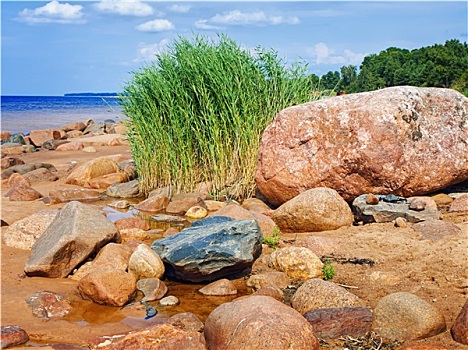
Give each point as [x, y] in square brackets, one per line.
[12, 336]
[169, 301]
[48, 304]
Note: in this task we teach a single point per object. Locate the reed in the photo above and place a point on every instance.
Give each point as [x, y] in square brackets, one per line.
[198, 111]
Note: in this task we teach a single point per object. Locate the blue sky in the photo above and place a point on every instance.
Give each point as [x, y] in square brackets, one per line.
[55, 47]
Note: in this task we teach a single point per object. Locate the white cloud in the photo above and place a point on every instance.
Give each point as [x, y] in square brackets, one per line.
[148, 52]
[237, 17]
[179, 8]
[324, 55]
[157, 25]
[203, 24]
[125, 7]
[53, 12]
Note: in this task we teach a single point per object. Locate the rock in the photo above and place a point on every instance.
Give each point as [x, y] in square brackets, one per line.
[153, 203]
[4, 135]
[23, 192]
[333, 323]
[153, 288]
[94, 168]
[196, 212]
[159, 337]
[171, 231]
[48, 304]
[171, 219]
[296, 262]
[89, 149]
[12, 336]
[132, 222]
[26, 168]
[106, 286]
[119, 204]
[70, 146]
[14, 149]
[183, 202]
[95, 128]
[212, 205]
[15, 138]
[41, 174]
[404, 316]
[16, 179]
[423, 347]
[258, 322]
[77, 232]
[459, 204]
[74, 194]
[211, 249]
[220, 287]
[320, 245]
[134, 234]
[169, 301]
[119, 128]
[256, 205]
[418, 204]
[128, 189]
[74, 134]
[113, 255]
[271, 291]
[106, 180]
[401, 222]
[53, 144]
[385, 141]
[442, 199]
[8, 162]
[235, 211]
[38, 137]
[372, 199]
[23, 233]
[389, 211]
[319, 294]
[80, 126]
[186, 321]
[275, 278]
[459, 329]
[436, 229]
[145, 263]
[318, 209]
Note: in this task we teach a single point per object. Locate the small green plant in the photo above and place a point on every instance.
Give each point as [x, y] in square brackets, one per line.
[273, 241]
[328, 270]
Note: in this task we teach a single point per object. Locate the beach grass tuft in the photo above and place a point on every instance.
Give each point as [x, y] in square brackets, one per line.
[198, 111]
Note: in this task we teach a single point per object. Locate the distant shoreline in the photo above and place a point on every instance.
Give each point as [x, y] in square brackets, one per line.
[92, 94]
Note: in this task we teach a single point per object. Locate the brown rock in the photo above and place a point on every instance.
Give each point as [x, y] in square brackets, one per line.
[159, 337]
[8, 162]
[133, 222]
[212, 205]
[145, 263]
[460, 203]
[108, 286]
[113, 255]
[320, 245]
[153, 203]
[385, 141]
[94, 168]
[258, 322]
[196, 212]
[171, 231]
[80, 126]
[70, 146]
[436, 229]
[270, 291]
[41, 174]
[16, 179]
[153, 288]
[186, 321]
[404, 316]
[74, 134]
[22, 192]
[372, 199]
[338, 322]
[134, 234]
[74, 194]
[257, 205]
[442, 199]
[12, 335]
[47, 304]
[181, 203]
[318, 209]
[38, 137]
[296, 262]
[319, 294]
[275, 278]
[4, 135]
[459, 329]
[401, 222]
[219, 287]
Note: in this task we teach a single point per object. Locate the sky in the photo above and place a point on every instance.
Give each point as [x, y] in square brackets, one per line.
[56, 47]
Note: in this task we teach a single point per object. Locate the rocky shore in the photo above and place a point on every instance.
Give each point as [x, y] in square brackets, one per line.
[88, 263]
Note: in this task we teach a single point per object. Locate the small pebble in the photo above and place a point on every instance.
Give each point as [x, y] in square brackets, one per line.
[401, 222]
[169, 301]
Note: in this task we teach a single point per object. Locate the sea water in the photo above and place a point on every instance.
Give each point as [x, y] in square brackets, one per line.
[26, 113]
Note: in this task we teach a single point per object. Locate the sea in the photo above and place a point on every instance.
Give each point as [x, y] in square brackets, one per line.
[26, 113]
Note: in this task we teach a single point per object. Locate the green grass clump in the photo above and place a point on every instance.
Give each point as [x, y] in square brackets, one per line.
[198, 111]
[328, 270]
[273, 241]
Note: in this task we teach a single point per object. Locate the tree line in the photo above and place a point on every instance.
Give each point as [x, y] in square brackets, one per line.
[432, 66]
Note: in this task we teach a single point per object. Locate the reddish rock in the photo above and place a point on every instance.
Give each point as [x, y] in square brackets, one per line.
[160, 337]
[16, 179]
[460, 203]
[74, 194]
[404, 316]
[8, 162]
[385, 141]
[153, 288]
[181, 203]
[421, 203]
[41, 174]
[4, 135]
[258, 322]
[12, 336]
[113, 255]
[48, 304]
[219, 287]
[153, 203]
[270, 291]
[132, 222]
[80, 126]
[22, 192]
[70, 146]
[318, 209]
[38, 137]
[171, 231]
[94, 168]
[436, 229]
[105, 181]
[108, 287]
[275, 278]
[74, 134]
[257, 205]
[340, 322]
[186, 321]
[459, 329]
[372, 199]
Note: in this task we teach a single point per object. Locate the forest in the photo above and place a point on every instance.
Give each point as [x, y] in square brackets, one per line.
[439, 65]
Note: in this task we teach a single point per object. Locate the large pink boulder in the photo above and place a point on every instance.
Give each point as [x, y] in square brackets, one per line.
[402, 140]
